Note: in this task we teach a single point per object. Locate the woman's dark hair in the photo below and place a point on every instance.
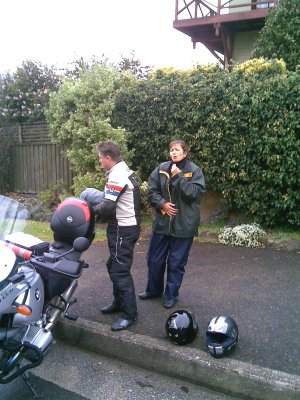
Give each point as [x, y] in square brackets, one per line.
[184, 146]
[110, 149]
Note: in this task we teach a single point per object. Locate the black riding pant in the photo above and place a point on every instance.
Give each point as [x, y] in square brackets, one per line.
[121, 242]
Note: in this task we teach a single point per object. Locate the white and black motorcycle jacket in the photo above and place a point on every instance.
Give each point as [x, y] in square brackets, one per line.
[122, 198]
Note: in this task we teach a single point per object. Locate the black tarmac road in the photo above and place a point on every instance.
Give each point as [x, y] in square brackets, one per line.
[258, 288]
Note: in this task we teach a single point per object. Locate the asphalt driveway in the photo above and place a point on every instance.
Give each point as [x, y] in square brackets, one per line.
[258, 288]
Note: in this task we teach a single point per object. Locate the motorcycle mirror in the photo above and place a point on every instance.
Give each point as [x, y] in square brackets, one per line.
[81, 244]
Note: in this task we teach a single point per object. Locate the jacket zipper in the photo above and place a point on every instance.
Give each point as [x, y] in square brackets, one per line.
[170, 197]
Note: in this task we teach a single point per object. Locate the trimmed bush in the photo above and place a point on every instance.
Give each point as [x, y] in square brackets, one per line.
[243, 129]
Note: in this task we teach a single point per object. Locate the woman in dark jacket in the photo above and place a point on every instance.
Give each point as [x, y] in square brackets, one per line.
[174, 191]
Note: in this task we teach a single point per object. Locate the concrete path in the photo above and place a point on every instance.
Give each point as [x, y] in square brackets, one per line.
[258, 288]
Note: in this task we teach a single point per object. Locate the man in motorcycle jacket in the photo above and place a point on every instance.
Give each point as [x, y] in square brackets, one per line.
[121, 206]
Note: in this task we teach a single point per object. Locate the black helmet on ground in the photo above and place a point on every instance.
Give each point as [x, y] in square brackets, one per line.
[221, 335]
[181, 327]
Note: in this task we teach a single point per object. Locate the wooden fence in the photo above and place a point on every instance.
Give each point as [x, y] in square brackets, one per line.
[31, 163]
[35, 167]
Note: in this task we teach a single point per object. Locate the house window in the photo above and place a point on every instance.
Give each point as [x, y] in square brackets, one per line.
[264, 5]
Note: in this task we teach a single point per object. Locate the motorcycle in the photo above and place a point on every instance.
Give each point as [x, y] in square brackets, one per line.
[37, 281]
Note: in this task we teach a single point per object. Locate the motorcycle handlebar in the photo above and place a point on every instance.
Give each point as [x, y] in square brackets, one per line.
[19, 251]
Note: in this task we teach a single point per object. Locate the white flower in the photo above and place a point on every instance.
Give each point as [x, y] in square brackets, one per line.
[242, 235]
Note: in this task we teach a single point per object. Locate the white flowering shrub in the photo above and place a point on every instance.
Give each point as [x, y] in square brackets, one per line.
[144, 195]
[248, 235]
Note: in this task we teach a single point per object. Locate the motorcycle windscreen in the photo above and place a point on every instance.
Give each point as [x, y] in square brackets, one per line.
[7, 261]
[13, 216]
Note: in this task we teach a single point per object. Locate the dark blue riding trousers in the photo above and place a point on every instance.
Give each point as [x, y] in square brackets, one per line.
[171, 252]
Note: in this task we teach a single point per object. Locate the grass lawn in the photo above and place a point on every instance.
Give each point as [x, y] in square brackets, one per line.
[284, 233]
[43, 231]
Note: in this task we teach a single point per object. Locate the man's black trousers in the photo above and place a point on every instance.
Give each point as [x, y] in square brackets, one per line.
[121, 242]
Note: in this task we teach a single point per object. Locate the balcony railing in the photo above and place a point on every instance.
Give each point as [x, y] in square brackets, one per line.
[186, 9]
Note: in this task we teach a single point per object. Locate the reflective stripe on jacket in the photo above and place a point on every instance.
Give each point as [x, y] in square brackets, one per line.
[184, 189]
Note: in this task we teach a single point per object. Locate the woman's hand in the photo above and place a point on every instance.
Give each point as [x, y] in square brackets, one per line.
[174, 169]
[169, 208]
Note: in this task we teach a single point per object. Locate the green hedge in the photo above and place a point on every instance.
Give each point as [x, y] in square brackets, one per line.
[243, 129]
[254, 153]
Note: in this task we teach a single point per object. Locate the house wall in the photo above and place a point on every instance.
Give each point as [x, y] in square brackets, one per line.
[239, 9]
[248, 7]
[243, 45]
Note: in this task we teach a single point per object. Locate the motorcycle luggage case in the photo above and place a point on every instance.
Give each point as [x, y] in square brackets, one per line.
[28, 242]
[73, 218]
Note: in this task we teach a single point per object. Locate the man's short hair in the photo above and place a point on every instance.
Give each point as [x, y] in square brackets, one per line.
[110, 149]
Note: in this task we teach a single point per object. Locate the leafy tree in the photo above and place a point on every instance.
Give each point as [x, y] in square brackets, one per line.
[134, 66]
[76, 68]
[25, 93]
[126, 64]
[280, 37]
[79, 118]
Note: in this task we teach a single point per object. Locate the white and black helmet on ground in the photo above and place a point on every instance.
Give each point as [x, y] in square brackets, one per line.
[221, 335]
